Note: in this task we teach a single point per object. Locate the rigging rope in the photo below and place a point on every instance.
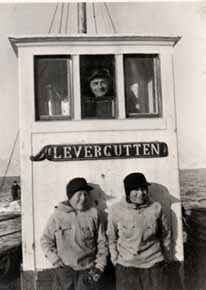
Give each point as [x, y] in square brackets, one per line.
[78, 24]
[61, 18]
[53, 18]
[67, 18]
[110, 17]
[105, 22]
[10, 158]
[78, 15]
[95, 23]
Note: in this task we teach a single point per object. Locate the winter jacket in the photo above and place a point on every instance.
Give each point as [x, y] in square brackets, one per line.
[77, 238]
[138, 237]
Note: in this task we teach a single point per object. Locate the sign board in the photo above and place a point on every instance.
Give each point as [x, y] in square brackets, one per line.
[72, 152]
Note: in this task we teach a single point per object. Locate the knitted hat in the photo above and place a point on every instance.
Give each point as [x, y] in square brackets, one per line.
[133, 181]
[76, 184]
[99, 73]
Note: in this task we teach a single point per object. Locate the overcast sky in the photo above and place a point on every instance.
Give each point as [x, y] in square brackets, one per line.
[187, 19]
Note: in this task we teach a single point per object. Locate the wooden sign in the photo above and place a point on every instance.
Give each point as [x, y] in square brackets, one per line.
[71, 152]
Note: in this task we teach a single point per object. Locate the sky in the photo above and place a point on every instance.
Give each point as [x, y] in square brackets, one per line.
[186, 19]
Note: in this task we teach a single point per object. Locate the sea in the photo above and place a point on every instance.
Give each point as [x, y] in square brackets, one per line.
[193, 195]
[10, 216]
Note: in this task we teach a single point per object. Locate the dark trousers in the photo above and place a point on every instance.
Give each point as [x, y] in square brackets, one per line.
[130, 278]
[68, 279]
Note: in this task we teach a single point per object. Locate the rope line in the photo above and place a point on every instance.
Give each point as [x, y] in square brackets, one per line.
[11, 155]
[110, 17]
[61, 18]
[10, 233]
[53, 18]
[67, 18]
[104, 19]
[94, 16]
[78, 24]
[10, 218]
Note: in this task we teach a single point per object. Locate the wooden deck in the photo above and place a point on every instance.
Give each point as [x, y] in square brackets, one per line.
[10, 283]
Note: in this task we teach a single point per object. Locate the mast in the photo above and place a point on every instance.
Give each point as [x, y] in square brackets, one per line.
[82, 18]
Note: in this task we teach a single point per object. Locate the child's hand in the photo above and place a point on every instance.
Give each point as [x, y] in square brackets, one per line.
[58, 263]
[95, 274]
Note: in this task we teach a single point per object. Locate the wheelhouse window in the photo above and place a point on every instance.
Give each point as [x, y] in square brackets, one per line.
[142, 85]
[53, 87]
[98, 94]
[97, 77]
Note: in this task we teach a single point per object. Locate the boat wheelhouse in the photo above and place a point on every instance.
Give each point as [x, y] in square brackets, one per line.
[67, 132]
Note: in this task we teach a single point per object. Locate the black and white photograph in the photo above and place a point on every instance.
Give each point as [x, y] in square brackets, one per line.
[102, 155]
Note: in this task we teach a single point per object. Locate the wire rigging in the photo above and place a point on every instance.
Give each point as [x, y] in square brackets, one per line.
[78, 24]
[53, 18]
[106, 25]
[9, 162]
[94, 16]
[110, 17]
[61, 18]
[67, 18]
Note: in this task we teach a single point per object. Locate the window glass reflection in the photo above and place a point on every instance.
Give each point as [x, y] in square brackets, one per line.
[142, 85]
[53, 87]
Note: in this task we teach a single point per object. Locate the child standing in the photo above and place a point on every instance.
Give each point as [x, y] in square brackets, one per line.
[139, 239]
[74, 240]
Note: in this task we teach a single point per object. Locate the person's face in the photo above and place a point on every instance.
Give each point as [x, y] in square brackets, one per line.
[79, 200]
[139, 195]
[99, 87]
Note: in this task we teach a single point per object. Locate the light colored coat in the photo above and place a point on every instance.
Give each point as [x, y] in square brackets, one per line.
[138, 237]
[77, 238]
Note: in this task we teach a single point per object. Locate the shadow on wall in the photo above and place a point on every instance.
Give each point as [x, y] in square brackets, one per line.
[158, 192]
[99, 198]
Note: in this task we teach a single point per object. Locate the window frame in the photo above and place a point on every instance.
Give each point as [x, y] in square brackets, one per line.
[113, 100]
[157, 85]
[119, 88]
[53, 57]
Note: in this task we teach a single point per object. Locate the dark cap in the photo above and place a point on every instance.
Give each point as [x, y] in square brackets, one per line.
[99, 73]
[133, 181]
[76, 184]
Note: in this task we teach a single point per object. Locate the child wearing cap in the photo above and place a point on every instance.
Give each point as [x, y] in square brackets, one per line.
[74, 240]
[139, 239]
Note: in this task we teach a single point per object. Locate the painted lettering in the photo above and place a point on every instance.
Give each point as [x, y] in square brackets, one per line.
[117, 150]
[137, 149]
[97, 151]
[77, 150]
[67, 152]
[127, 147]
[56, 156]
[106, 151]
[88, 151]
[146, 149]
[155, 149]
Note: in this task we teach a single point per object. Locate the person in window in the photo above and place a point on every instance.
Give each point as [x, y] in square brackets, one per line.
[139, 238]
[74, 240]
[99, 103]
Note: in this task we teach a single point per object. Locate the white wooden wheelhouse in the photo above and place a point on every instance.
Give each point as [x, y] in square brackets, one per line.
[71, 134]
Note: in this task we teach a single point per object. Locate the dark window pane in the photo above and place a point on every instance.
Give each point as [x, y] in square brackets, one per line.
[142, 85]
[52, 87]
[97, 86]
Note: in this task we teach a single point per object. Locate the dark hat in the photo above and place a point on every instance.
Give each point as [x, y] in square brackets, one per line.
[76, 184]
[99, 73]
[134, 180]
